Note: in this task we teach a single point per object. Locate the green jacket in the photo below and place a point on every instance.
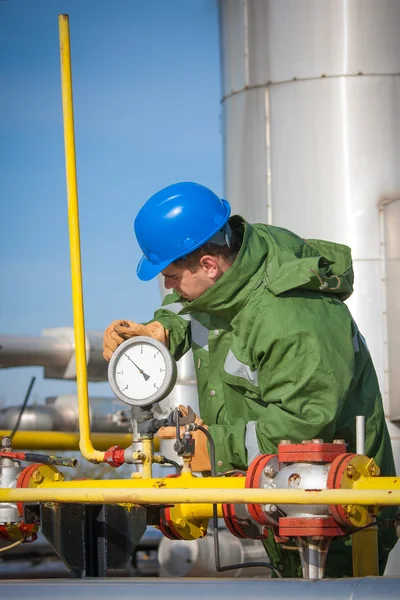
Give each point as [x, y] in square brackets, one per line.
[275, 357]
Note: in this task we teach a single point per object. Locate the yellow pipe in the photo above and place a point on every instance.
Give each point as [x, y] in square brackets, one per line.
[60, 440]
[185, 481]
[85, 443]
[61, 493]
[376, 483]
[365, 552]
[147, 444]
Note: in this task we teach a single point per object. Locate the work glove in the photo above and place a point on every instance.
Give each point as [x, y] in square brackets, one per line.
[119, 331]
[201, 459]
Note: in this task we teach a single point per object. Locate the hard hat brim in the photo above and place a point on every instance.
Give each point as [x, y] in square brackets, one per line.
[146, 270]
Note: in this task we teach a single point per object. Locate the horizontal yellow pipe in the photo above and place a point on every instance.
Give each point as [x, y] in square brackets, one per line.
[192, 496]
[60, 440]
[186, 481]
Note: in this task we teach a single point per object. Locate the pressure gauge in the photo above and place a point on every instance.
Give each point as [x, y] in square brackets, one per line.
[142, 371]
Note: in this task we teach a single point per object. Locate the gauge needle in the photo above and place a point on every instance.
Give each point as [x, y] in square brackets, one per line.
[146, 377]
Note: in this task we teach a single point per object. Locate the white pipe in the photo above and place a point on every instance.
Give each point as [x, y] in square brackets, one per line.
[360, 434]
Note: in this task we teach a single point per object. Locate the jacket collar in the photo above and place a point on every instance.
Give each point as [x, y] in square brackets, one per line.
[232, 290]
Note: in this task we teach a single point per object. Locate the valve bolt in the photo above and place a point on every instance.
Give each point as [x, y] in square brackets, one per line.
[38, 478]
[351, 471]
[270, 471]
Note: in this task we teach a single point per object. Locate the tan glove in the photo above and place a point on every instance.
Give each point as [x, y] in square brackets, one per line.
[201, 459]
[119, 331]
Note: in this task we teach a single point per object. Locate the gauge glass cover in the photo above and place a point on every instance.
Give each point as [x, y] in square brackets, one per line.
[141, 371]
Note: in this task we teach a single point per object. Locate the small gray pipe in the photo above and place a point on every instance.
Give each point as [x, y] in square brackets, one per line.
[360, 434]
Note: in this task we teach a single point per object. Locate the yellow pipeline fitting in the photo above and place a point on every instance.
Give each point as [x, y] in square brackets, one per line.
[360, 470]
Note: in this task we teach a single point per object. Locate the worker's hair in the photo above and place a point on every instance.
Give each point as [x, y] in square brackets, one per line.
[192, 260]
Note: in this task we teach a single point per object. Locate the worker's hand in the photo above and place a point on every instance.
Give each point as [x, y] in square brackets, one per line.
[184, 412]
[201, 459]
[119, 331]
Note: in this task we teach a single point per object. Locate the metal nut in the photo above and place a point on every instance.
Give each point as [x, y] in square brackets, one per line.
[270, 471]
[339, 441]
[285, 442]
[351, 471]
[374, 470]
[38, 478]
[318, 441]
[270, 508]
[351, 510]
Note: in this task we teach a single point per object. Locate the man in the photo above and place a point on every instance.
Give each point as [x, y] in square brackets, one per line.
[277, 354]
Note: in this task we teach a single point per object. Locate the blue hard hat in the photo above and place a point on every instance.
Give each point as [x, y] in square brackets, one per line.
[174, 222]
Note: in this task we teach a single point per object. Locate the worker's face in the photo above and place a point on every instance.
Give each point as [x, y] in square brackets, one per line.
[191, 285]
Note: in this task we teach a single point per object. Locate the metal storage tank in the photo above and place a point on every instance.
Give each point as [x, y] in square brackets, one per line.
[310, 111]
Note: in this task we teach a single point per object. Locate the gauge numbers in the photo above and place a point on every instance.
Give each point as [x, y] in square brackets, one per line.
[142, 371]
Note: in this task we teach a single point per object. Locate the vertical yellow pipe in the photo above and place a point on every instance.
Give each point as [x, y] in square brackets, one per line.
[85, 443]
[365, 552]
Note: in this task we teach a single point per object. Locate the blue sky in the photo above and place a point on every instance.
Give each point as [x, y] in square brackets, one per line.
[146, 79]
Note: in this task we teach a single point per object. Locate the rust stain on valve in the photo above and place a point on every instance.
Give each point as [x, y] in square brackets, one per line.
[294, 480]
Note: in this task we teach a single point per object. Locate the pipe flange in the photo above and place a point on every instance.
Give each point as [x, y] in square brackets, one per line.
[238, 522]
[257, 477]
[34, 475]
[344, 472]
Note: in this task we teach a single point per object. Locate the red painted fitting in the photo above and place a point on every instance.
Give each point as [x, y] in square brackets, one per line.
[309, 526]
[114, 456]
[23, 481]
[28, 532]
[309, 452]
[253, 477]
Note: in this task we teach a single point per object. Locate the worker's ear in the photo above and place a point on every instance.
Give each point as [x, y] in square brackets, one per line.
[209, 264]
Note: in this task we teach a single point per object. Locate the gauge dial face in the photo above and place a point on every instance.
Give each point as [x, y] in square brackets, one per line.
[141, 371]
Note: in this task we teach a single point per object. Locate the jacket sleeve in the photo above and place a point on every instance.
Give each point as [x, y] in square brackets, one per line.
[305, 369]
[178, 326]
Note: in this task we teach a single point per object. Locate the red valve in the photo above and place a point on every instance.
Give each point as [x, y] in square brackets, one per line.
[114, 456]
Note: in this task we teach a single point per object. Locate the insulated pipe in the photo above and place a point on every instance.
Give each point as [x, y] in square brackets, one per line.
[126, 588]
[104, 495]
[85, 443]
[30, 351]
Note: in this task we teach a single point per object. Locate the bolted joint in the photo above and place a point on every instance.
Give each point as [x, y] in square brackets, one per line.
[351, 510]
[114, 456]
[351, 471]
[270, 471]
[6, 443]
[270, 508]
[373, 469]
[38, 477]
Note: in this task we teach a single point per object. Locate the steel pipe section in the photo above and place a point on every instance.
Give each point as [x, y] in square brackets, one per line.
[55, 351]
[368, 588]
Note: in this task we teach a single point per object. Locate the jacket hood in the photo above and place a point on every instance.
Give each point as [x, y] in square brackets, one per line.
[280, 260]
